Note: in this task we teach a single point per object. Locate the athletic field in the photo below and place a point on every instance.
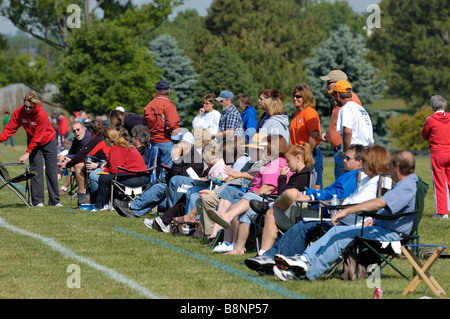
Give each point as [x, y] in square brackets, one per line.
[67, 253]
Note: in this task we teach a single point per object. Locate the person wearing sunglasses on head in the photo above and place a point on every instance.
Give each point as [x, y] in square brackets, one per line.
[41, 147]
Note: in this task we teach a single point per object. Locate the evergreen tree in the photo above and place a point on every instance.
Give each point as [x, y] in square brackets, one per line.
[344, 51]
[178, 71]
[412, 48]
[103, 67]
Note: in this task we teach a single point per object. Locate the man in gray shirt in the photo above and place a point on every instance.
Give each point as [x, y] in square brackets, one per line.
[317, 259]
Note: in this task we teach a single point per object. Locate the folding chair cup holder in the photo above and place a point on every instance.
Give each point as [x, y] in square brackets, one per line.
[12, 183]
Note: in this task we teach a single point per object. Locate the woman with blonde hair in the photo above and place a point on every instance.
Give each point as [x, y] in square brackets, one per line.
[122, 154]
[41, 147]
[278, 121]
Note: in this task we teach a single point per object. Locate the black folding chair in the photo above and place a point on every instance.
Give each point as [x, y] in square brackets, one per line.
[23, 193]
[386, 253]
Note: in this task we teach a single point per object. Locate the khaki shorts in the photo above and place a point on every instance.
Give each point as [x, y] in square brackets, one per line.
[285, 219]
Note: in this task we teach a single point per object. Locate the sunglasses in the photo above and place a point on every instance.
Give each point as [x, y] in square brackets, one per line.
[298, 96]
[349, 158]
[27, 107]
[76, 130]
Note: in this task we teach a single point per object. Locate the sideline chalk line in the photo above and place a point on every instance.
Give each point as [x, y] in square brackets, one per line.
[112, 274]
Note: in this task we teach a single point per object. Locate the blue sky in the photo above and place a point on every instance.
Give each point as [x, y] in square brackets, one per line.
[200, 5]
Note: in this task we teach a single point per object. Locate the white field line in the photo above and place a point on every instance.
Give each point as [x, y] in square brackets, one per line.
[112, 274]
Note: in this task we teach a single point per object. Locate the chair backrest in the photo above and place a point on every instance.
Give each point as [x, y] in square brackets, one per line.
[312, 177]
[421, 192]
[385, 184]
[153, 162]
[4, 172]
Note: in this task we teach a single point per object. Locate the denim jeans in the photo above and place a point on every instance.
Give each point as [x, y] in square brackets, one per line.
[149, 199]
[231, 194]
[338, 164]
[318, 166]
[250, 215]
[164, 156]
[175, 182]
[191, 197]
[296, 239]
[93, 179]
[323, 253]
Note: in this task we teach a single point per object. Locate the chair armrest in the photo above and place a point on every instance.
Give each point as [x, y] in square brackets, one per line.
[375, 215]
[148, 170]
[272, 197]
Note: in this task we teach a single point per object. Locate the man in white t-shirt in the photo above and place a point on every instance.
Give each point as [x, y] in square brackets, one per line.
[353, 121]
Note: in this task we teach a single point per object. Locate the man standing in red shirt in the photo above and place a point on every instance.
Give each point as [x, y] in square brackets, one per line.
[41, 147]
[161, 118]
[436, 129]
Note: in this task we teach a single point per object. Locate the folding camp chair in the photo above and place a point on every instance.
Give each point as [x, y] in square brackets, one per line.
[387, 253]
[12, 183]
[423, 271]
[133, 193]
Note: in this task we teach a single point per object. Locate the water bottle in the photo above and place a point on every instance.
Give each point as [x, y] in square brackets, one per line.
[65, 172]
[244, 188]
[334, 202]
[219, 179]
[317, 195]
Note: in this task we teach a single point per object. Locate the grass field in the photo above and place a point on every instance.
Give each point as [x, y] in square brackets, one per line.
[47, 253]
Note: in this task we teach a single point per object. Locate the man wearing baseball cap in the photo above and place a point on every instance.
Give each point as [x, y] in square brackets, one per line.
[161, 118]
[331, 135]
[230, 122]
[353, 122]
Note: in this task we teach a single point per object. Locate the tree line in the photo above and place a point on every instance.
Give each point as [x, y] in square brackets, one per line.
[122, 50]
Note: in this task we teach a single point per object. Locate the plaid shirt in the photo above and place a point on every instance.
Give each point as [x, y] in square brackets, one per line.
[230, 119]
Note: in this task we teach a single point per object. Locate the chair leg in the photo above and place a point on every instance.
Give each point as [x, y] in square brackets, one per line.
[422, 271]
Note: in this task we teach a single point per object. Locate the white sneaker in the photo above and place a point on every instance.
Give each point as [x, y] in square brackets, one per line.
[298, 264]
[106, 207]
[443, 216]
[224, 247]
[164, 228]
[283, 275]
[39, 205]
[149, 223]
[59, 205]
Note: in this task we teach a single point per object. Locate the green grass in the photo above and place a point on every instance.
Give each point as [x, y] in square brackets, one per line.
[167, 266]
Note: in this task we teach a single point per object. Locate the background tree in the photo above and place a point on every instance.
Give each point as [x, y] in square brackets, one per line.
[37, 17]
[104, 67]
[345, 51]
[20, 68]
[412, 48]
[271, 36]
[406, 131]
[223, 70]
[177, 70]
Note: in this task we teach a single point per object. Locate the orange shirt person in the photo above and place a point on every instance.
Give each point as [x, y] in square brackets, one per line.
[305, 126]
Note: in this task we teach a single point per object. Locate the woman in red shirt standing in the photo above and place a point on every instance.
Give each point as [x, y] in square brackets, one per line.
[305, 126]
[436, 129]
[122, 154]
[41, 146]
